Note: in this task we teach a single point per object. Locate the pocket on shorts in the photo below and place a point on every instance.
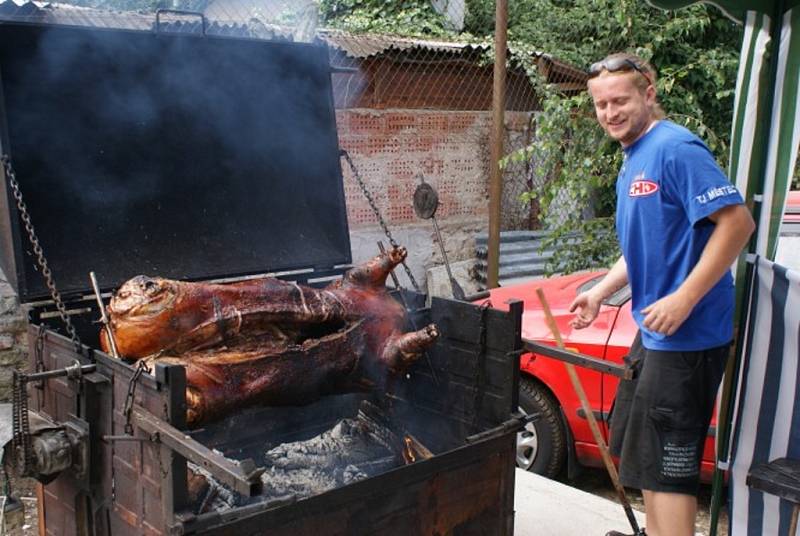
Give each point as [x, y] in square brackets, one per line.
[677, 447]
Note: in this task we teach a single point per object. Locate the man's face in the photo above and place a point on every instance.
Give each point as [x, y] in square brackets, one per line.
[623, 110]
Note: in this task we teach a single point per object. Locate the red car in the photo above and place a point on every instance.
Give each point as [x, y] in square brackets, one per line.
[562, 433]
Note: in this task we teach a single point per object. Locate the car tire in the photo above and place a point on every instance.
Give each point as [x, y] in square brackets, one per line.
[542, 445]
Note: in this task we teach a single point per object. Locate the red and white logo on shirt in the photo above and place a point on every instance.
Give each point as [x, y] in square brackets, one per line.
[641, 187]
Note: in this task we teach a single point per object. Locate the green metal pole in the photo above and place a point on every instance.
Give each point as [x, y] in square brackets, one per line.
[725, 418]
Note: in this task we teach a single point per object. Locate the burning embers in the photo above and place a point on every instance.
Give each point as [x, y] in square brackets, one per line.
[267, 340]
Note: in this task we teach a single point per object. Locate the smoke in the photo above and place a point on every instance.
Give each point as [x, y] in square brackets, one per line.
[165, 153]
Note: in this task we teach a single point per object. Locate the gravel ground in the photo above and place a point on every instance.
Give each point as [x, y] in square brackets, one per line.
[25, 491]
[597, 482]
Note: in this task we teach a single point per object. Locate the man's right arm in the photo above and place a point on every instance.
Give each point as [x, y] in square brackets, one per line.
[589, 302]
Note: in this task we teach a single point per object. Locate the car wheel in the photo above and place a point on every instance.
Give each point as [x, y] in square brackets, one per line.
[542, 445]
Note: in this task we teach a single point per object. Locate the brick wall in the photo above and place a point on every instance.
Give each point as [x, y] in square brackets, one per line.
[392, 148]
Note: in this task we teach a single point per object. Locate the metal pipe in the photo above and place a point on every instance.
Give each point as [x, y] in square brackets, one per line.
[582, 360]
[498, 109]
[243, 476]
[74, 370]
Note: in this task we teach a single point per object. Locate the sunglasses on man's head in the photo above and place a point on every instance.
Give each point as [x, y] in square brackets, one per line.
[615, 65]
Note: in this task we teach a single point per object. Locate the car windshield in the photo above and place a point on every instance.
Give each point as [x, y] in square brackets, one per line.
[616, 299]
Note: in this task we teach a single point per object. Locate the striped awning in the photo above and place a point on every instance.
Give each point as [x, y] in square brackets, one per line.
[767, 423]
[766, 123]
[735, 9]
[764, 145]
[767, 109]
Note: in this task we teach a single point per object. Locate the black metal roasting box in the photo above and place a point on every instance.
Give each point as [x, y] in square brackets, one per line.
[199, 157]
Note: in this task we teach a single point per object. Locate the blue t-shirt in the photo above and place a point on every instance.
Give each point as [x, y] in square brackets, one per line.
[668, 185]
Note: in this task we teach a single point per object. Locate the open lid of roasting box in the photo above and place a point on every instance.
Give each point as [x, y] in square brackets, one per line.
[182, 156]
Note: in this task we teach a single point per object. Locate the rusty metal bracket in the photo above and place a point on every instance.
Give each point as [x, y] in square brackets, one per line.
[581, 360]
[241, 476]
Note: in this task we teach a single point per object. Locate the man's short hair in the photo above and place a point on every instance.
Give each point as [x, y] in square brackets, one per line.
[625, 62]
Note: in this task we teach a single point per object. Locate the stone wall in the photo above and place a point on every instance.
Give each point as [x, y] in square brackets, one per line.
[13, 345]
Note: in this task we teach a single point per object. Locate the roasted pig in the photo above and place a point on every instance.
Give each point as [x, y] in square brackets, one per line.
[267, 340]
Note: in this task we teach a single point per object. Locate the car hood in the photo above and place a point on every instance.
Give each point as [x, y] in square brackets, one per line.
[559, 292]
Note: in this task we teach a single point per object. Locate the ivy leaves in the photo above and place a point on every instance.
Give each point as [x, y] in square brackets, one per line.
[696, 52]
[410, 18]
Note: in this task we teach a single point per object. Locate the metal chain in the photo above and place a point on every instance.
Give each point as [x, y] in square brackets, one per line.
[480, 365]
[38, 353]
[377, 212]
[37, 249]
[21, 438]
[156, 440]
[129, 398]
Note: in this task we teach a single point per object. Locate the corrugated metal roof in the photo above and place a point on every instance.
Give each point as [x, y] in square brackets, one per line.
[367, 45]
[66, 14]
[362, 46]
[71, 15]
[359, 46]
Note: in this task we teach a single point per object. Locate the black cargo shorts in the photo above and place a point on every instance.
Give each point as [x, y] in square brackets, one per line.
[660, 418]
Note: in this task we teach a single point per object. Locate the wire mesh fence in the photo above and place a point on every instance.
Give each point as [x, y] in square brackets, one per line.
[408, 108]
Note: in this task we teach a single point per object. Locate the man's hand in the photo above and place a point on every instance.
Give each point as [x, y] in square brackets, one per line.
[733, 227]
[589, 305]
[667, 314]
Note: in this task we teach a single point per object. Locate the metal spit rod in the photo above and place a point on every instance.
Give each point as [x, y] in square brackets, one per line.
[75, 370]
[103, 316]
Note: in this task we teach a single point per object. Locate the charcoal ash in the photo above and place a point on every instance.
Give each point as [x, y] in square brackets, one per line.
[353, 449]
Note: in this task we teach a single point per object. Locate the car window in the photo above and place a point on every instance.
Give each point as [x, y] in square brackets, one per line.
[589, 284]
[615, 300]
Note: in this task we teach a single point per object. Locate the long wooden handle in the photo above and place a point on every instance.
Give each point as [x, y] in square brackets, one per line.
[598, 437]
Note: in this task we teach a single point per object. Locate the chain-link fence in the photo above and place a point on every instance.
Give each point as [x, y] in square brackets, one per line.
[407, 107]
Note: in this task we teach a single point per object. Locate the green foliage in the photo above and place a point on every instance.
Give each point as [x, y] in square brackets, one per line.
[696, 53]
[695, 50]
[796, 177]
[577, 164]
[404, 17]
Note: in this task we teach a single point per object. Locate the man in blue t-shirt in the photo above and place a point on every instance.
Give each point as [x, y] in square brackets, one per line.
[681, 225]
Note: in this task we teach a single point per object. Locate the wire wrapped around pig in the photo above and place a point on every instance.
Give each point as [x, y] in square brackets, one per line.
[265, 340]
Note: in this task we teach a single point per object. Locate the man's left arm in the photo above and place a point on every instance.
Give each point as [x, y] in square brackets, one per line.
[733, 227]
